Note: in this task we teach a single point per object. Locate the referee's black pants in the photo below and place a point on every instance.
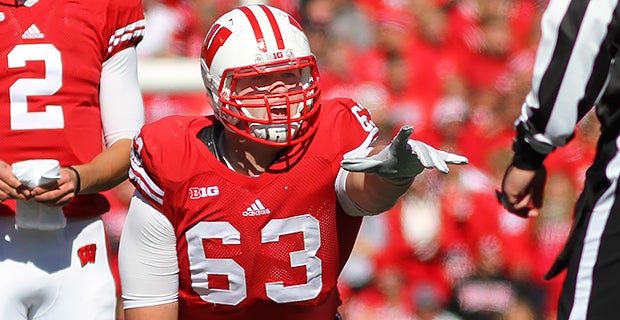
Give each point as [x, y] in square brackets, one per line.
[592, 253]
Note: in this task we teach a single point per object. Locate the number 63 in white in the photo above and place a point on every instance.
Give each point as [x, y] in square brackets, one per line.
[201, 267]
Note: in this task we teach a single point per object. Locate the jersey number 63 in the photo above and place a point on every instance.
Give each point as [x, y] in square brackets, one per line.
[201, 266]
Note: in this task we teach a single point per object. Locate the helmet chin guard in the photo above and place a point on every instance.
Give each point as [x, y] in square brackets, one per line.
[258, 41]
[274, 132]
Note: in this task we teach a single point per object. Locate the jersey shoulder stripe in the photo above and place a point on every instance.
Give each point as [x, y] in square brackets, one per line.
[143, 181]
[127, 34]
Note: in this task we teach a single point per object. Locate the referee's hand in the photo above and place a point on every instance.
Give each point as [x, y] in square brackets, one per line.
[522, 191]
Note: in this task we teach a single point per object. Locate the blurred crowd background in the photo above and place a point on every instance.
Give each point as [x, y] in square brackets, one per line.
[458, 70]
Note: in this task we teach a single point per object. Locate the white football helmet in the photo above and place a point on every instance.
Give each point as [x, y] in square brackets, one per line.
[253, 41]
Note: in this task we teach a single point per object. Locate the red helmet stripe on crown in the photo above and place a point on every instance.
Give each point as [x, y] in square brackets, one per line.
[216, 38]
[258, 33]
[274, 25]
[295, 23]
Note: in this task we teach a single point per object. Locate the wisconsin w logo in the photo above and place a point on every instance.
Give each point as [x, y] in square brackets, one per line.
[87, 253]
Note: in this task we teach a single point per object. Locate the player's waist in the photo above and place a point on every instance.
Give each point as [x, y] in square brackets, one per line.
[82, 206]
[324, 308]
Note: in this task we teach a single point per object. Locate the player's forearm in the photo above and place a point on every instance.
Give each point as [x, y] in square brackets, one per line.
[107, 169]
[373, 193]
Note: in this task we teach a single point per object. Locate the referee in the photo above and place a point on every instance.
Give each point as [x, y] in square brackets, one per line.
[574, 72]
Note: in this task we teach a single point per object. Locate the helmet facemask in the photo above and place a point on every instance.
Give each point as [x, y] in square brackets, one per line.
[279, 118]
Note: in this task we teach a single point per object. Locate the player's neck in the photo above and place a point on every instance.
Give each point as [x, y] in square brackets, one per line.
[245, 156]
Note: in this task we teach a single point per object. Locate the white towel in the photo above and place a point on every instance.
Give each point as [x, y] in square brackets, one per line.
[31, 214]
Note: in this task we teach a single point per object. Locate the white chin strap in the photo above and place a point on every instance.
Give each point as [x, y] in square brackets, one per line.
[273, 132]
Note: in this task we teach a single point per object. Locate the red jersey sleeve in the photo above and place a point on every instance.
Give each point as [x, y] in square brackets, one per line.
[158, 154]
[350, 125]
[124, 25]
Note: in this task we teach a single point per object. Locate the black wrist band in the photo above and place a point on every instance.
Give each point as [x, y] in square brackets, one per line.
[78, 183]
[525, 157]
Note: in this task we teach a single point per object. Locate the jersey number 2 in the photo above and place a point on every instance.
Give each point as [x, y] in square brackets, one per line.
[201, 266]
[21, 118]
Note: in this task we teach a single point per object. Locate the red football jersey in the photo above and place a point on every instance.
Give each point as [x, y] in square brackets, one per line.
[267, 247]
[50, 65]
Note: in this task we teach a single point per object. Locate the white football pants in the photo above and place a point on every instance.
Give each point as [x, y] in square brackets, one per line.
[63, 274]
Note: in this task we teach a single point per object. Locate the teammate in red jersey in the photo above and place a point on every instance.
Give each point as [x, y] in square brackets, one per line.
[248, 214]
[69, 92]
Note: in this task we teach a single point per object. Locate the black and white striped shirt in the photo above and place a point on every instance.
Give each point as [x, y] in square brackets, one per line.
[574, 71]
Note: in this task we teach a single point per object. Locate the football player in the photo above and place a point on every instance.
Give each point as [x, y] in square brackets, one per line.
[68, 85]
[248, 214]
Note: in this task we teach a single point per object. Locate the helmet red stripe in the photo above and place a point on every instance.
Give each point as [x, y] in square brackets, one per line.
[295, 23]
[260, 39]
[274, 25]
[209, 36]
[219, 38]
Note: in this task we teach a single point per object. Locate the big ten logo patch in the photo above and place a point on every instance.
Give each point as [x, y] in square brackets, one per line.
[87, 253]
[203, 192]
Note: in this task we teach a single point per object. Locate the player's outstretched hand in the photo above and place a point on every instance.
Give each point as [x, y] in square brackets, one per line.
[403, 159]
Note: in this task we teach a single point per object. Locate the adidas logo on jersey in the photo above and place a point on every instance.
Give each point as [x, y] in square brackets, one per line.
[33, 33]
[256, 209]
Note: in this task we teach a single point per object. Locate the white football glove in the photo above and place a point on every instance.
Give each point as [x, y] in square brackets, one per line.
[403, 159]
